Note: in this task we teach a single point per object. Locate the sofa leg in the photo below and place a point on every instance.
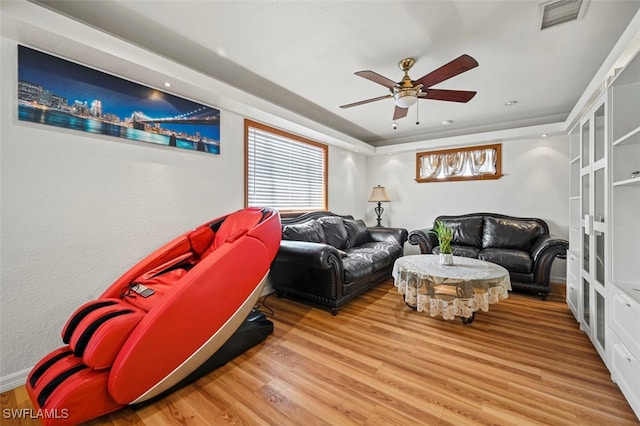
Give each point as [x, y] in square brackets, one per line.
[334, 311]
[542, 295]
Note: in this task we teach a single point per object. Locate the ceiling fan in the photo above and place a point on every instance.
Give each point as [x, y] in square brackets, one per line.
[407, 92]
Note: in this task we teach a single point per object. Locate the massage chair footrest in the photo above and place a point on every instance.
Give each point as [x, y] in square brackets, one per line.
[69, 391]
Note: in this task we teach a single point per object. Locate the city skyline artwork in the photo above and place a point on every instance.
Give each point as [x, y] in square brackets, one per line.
[57, 92]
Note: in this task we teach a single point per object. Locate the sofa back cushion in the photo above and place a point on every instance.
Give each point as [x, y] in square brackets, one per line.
[510, 233]
[335, 233]
[467, 231]
[310, 231]
[356, 231]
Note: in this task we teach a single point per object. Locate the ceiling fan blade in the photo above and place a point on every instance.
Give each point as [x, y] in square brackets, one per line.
[457, 66]
[448, 95]
[366, 101]
[377, 78]
[400, 112]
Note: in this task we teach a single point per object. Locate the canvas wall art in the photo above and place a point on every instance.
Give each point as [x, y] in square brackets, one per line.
[61, 93]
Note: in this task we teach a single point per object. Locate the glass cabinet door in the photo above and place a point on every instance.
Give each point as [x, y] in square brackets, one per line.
[585, 153]
[593, 209]
[586, 214]
[598, 134]
[598, 196]
[599, 258]
[586, 298]
[599, 326]
[586, 242]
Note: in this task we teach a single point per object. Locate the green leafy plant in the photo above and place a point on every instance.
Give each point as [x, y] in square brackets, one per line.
[445, 236]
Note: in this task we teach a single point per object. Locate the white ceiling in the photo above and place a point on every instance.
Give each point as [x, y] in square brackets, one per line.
[302, 55]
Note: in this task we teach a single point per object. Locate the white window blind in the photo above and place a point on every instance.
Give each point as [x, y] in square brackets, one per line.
[284, 171]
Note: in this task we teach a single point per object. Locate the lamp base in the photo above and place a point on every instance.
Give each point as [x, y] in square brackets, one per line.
[379, 211]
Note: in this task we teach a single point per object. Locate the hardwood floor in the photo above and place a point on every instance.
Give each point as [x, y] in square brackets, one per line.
[377, 362]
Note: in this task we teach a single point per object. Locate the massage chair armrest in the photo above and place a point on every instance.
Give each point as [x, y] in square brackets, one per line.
[311, 255]
[547, 245]
[396, 236]
[425, 239]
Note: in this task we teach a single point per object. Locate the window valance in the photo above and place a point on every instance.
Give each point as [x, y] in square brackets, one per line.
[469, 163]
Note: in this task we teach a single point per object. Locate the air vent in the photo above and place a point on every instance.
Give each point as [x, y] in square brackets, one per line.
[560, 11]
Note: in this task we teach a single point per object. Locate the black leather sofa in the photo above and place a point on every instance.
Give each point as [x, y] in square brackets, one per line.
[521, 245]
[327, 259]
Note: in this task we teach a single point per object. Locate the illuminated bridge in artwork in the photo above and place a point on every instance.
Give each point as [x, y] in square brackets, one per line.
[199, 116]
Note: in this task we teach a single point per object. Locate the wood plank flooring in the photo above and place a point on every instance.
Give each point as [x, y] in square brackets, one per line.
[377, 362]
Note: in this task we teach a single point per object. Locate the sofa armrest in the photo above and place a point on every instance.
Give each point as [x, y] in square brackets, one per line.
[307, 254]
[425, 239]
[548, 245]
[543, 252]
[396, 236]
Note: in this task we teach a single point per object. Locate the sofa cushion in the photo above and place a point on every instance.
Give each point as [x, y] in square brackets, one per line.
[510, 233]
[310, 231]
[356, 266]
[376, 254]
[512, 260]
[356, 231]
[466, 251]
[335, 233]
[467, 231]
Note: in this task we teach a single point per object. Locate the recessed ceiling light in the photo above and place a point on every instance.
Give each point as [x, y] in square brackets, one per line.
[447, 122]
[167, 84]
[510, 103]
[544, 135]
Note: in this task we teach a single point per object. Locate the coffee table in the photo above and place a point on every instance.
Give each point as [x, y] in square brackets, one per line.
[458, 290]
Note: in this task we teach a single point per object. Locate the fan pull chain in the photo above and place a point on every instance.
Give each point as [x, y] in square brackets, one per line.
[417, 113]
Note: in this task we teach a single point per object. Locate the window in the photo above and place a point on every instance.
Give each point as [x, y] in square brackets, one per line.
[284, 171]
[471, 163]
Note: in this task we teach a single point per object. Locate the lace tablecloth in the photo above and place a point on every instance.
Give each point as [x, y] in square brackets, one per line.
[467, 286]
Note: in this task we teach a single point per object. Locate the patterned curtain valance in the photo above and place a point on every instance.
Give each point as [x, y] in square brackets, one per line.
[470, 163]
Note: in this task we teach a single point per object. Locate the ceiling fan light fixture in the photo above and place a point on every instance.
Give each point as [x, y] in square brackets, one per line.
[406, 98]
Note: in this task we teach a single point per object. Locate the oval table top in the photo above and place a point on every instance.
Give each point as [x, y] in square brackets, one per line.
[454, 290]
[428, 266]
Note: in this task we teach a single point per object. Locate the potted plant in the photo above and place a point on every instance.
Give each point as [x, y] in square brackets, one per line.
[445, 236]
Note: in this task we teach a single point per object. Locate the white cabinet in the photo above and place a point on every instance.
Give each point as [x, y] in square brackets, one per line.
[624, 290]
[603, 260]
[625, 159]
[573, 282]
[573, 291]
[588, 261]
[625, 343]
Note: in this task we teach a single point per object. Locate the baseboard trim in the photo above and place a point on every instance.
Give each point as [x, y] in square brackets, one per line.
[14, 380]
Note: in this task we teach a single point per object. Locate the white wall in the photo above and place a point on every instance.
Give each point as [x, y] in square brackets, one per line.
[78, 210]
[535, 184]
[348, 170]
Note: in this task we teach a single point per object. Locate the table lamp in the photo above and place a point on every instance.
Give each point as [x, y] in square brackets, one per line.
[379, 195]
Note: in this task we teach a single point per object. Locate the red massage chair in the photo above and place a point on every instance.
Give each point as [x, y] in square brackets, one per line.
[184, 310]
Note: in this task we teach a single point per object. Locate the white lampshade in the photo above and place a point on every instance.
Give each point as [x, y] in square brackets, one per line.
[406, 98]
[379, 195]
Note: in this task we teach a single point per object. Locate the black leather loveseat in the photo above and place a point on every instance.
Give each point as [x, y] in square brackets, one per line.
[327, 259]
[521, 245]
